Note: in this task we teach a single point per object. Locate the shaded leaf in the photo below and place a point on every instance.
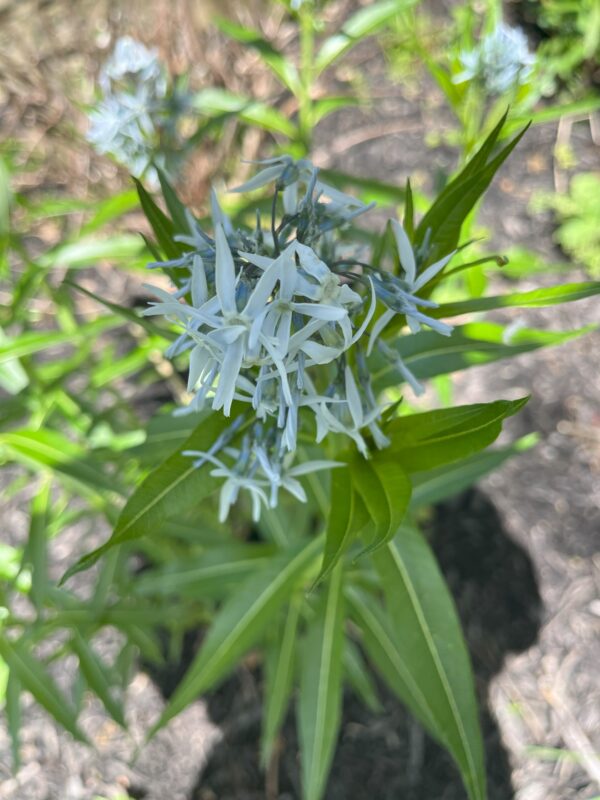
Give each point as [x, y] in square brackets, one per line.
[239, 624]
[427, 627]
[320, 696]
[34, 677]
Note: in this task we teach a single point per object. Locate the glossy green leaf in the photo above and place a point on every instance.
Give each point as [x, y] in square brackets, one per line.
[385, 489]
[430, 439]
[427, 627]
[551, 296]
[320, 696]
[366, 21]
[174, 205]
[427, 354]
[445, 218]
[172, 488]
[240, 624]
[162, 226]
[95, 673]
[438, 484]
[341, 524]
[280, 660]
[34, 677]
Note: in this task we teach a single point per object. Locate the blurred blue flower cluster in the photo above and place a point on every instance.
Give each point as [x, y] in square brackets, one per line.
[136, 119]
[501, 61]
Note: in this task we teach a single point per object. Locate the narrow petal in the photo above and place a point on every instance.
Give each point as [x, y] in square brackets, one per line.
[224, 272]
[199, 286]
[407, 257]
[320, 311]
[353, 399]
[378, 328]
[431, 272]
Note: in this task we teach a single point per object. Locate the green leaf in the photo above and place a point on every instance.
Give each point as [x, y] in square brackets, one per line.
[36, 550]
[427, 627]
[279, 65]
[444, 220]
[33, 342]
[174, 205]
[385, 489]
[49, 449]
[128, 314]
[239, 624]
[109, 209]
[212, 573]
[162, 226]
[281, 654]
[430, 439]
[366, 21]
[327, 105]
[438, 484]
[211, 101]
[95, 674]
[320, 696]
[551, 296]
[33, 677]
[86, 252]
[427, 354]
[409, 212]
[342, 526]
[172, 488]
[12, 710]
[359, 677]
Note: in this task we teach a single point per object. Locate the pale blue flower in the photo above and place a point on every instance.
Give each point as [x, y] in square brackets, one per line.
[501, 60]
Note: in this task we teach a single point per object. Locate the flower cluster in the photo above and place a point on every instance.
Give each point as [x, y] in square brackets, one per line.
[501, 61]
[137, 118]
[276, 326]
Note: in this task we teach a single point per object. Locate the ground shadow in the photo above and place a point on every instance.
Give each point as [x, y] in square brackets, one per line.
[388, 756]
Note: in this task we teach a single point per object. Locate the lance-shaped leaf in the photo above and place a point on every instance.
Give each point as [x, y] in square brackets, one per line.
[363, 23]
[443, 222]
[33, 676]
[347, 517]
[279, 65]
[320, 696]
[95, 674]
[550, 296]
[171, 489]
[220, 101]
[360, 677]
[426, 626]
[163, 228]
[48, 449]
[385, 489]
[436, 485]
[240, 623]
[12, 709]
[428, 440]
[280, 660]
[427, 354]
